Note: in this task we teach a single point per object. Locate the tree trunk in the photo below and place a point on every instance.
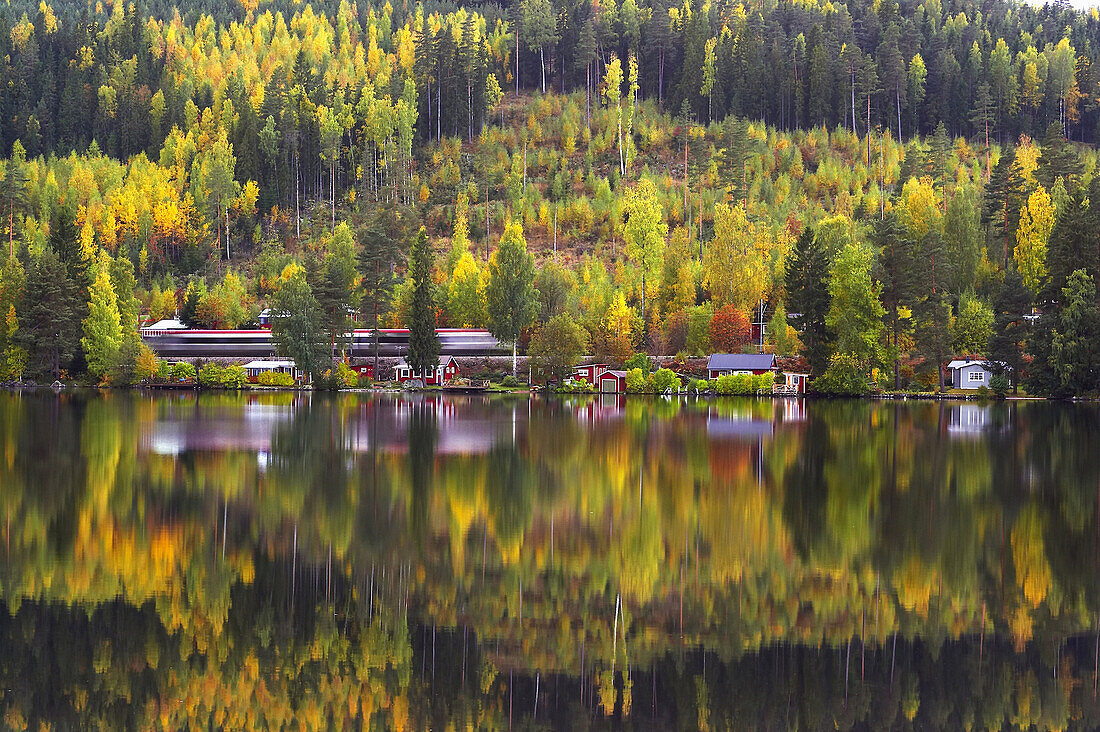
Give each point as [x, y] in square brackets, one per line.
[542, 67]
[897, 95]
[514, 358]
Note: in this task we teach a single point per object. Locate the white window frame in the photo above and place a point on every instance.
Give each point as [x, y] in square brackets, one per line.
[973, 376]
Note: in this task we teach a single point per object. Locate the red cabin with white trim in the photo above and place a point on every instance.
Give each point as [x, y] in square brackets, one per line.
[589, 373]
[445, 370]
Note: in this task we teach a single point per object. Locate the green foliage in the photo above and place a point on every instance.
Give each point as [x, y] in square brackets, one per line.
[638, 381]
[999, 385]
[763, 383]
[297, 325]
[102, 329]
[182, 371]
[638, 361]
[233, 377]
[424, 345]
[845, 376]
[511, 300]
[734, 384]
[210, 376]
[666, 380]
[275, 378]
[855, 311]
[557, 346]
[509, 382]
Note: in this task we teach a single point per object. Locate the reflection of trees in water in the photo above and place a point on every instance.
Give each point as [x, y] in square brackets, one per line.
[523, 525]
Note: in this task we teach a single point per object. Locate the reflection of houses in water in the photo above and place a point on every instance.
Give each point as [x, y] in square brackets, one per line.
[756, 420]
[193, 426]
[598, 407]
[458, 427]
[967, 419]
[738, 427]
[461, 425]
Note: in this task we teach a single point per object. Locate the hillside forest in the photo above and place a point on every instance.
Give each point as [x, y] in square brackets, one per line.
[885, 186]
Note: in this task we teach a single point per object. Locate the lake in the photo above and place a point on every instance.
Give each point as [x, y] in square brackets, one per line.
[284, 560]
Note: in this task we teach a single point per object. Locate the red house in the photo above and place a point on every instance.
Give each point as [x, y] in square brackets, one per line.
[589, 373]
[612, 381]
[445, 370]
[364, 369]
[722, 364]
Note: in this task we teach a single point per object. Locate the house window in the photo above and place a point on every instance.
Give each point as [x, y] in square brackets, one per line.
[976, 376]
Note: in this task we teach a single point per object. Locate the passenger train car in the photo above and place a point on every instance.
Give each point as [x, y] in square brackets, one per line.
[188, 343]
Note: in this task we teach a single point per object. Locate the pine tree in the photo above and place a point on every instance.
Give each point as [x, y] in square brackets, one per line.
[424, 347]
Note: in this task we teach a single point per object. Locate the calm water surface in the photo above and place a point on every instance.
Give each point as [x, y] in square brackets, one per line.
[282, 561]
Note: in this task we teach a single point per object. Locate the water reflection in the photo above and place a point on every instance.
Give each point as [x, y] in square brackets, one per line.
[244, 561]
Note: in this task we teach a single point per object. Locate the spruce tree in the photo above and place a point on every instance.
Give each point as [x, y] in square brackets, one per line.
[807, 277]
[379, 255]
[424, 345]
[1010, 327]
[901, 272]
[49, 322]
[1004, 195]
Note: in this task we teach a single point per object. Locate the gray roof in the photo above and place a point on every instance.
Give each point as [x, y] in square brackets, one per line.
[741, 361]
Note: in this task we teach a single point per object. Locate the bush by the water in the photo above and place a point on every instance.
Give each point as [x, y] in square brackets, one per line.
[999, 385]
[574, 386]
[844, 377]
[275, 378]
[182, 371]
[213, 376]
[734, 384]
[509, 382]
[664, 380]
[636, 382]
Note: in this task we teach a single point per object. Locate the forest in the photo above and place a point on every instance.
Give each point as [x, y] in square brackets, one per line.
[885, 186]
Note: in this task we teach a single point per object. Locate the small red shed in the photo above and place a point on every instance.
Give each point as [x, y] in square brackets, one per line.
[445, 370]
[364, 369]
[612, 381]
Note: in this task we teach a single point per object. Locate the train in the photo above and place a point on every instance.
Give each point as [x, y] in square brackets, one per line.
[193, 343]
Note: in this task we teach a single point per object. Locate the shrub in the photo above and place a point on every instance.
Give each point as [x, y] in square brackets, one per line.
[983, 392]
[734, 384]
[364, 381]
[233, 377]
[164, 371]
[275, 378]
[636, 382]
[509, 382]
[665, 379]
[843, 377]
[638, 361]
[698, 385]
[999, 385]
[763, 383]
[210, 376]
[182, 370]
[346, 376]
[574, 386]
